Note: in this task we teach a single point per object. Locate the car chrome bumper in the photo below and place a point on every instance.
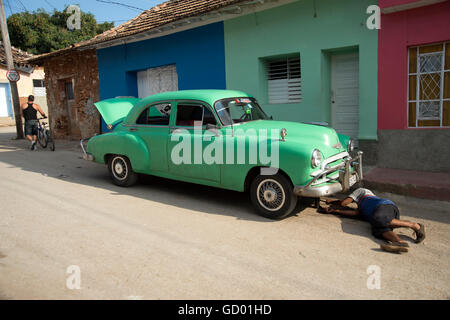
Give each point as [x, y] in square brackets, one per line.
[86, 156]
[346, 179]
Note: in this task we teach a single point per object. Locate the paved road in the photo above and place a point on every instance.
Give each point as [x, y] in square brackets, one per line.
[168, 240]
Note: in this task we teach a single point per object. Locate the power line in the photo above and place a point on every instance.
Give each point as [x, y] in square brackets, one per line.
[9, 6]
[122, 4]
[50, 4]
[22, 5]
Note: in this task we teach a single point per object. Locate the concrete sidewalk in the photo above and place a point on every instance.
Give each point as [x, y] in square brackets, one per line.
[419, 184]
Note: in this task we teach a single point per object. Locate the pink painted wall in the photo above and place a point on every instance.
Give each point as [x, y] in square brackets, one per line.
[399, 31]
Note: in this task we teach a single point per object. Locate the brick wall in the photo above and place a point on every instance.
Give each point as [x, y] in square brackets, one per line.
[77, 118]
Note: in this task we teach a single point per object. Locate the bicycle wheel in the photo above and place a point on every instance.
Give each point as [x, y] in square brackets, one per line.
[50, 141]
[42, 138]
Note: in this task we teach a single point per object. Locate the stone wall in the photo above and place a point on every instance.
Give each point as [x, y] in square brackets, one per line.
[77, 118]
[423, 149]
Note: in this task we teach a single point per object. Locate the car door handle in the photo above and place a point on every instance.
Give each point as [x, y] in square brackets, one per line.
[133, 129]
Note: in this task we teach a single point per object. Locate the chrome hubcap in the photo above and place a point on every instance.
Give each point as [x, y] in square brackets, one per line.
[271, 195]
[119, 168]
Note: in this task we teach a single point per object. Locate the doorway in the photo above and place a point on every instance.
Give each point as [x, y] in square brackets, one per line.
[345, 94]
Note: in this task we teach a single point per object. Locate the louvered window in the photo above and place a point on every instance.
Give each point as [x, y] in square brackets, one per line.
[284, 80]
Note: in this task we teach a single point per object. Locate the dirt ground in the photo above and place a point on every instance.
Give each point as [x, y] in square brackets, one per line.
[164, 239]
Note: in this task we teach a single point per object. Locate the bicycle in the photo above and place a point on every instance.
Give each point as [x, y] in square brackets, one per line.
[45, 137]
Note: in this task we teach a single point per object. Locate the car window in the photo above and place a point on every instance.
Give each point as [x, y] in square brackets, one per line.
[236, 110]
[158, 114]
[187, 115]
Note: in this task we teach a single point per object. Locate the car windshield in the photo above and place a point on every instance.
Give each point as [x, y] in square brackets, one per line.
[237, 110]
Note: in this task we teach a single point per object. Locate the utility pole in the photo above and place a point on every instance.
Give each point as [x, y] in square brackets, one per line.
[10, 66]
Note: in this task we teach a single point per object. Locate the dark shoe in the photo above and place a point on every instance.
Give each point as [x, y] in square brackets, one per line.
[400, 244]
[391, 247]
[420, 235]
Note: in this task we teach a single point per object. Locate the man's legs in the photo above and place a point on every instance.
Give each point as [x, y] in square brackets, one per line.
[395, 243]
[397, 223]
[34, 132]
[31, 133]
[391, 236]
[418, 228]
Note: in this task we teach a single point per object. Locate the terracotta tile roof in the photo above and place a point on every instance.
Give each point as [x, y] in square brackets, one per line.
[162, 14]
[20, 57]
[158, 16]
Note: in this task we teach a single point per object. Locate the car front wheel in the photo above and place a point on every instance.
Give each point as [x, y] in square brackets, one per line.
[121, 171]
[273, 196]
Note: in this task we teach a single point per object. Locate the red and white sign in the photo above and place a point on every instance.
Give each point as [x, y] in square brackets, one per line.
[13, 75]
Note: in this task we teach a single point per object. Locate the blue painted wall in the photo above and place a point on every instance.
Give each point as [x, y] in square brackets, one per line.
[199, 55]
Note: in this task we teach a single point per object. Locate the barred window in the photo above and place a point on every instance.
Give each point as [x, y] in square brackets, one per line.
[39, 88]
[284, 80]
[429, 85]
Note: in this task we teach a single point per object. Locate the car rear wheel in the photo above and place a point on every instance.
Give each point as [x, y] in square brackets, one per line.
[121, 172]
[273, 196]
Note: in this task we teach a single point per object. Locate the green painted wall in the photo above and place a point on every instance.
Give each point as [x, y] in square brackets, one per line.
[339, 25]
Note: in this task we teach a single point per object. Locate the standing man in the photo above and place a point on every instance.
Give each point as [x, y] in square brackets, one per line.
[382, 214]
[29, 112]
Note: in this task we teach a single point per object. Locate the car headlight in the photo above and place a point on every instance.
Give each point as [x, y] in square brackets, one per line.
[316, 158]
[351, 145]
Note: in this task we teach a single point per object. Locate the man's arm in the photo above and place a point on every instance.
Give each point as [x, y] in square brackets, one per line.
[346, 212]
[342, 203]
[342, 212]
[40, 110]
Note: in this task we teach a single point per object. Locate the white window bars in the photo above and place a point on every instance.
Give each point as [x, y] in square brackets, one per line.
[429, 76]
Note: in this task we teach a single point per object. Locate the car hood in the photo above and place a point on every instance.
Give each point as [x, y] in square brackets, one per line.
[115, 110]
[316, 136]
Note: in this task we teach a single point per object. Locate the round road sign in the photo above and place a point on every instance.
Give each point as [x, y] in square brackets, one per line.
[13, 75]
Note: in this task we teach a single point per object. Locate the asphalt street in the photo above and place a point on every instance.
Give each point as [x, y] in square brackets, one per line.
[63, 223]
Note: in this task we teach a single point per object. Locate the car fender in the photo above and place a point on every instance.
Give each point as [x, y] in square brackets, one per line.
[294, 162]
[123, 143]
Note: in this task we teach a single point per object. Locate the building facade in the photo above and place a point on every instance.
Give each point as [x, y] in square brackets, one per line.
[309, 61]
[73, 88]
[191, 59]
[325, 51]
[414, 85]
[304, 60]
[31, 82]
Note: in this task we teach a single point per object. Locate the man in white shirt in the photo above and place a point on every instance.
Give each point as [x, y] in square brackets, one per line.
[382, 214]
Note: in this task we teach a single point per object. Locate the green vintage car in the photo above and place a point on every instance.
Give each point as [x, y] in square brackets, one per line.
[222, 138]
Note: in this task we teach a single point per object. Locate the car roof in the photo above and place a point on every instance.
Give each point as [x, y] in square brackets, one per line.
[207, 95]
